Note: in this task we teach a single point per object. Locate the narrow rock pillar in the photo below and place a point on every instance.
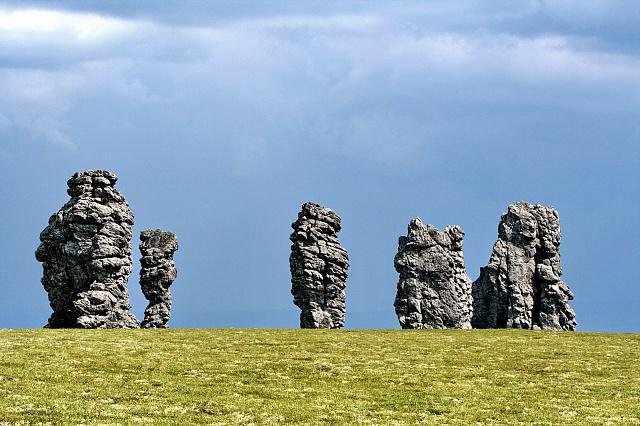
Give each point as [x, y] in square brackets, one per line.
[318, 265]
[156, 275]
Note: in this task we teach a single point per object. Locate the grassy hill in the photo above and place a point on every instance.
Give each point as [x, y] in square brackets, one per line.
[265, 376]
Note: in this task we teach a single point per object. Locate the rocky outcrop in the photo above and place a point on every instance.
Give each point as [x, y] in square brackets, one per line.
[434, 290]
[157, 274]
[521, 285]
[86, 255]
[318, 266]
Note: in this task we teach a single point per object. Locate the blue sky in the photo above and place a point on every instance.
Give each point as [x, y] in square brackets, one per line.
[221, 119]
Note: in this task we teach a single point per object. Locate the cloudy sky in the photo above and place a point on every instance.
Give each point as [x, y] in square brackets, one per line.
[221, 119]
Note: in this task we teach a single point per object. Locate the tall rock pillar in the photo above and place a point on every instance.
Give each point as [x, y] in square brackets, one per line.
[434, 290]
[318, 265]
[521, 285]
[86, 255]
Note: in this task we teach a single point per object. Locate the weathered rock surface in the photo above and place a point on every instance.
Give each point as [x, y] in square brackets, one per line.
[521, 285]
[86, 255]
[434, 290]
[156, 275]
[319, 267]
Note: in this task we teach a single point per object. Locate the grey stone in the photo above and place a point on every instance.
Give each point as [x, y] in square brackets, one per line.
[86, 255]
[434, 290]
[156, 275]
[318, 265]
[521, 285]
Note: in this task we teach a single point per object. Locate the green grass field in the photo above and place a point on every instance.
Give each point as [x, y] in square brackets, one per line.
[266, 376]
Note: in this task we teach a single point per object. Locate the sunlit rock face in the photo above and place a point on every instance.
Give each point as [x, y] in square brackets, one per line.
[521, 285]
[318, 265]
[157, 274]
[86, 255]
[434, 290]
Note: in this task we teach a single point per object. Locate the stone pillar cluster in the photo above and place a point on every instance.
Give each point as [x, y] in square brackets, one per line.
[521, 285]
[157, 274]
[86, 257]
[318, 265]
[434, 290]
[85, 252]
[519, 288]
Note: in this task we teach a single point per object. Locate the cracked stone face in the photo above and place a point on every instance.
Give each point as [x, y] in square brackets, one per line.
[521, 285]
[86, 255]
[434, 290]
[156, 275]
[318, 265]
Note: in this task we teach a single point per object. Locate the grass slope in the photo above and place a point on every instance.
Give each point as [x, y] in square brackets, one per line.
[265, 376]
